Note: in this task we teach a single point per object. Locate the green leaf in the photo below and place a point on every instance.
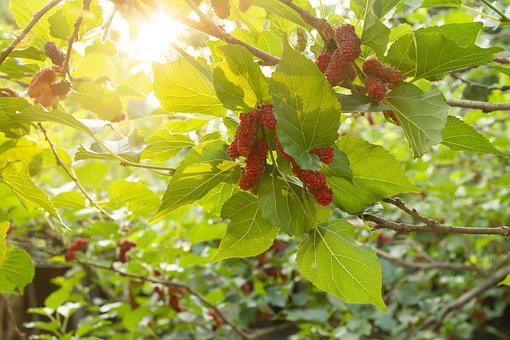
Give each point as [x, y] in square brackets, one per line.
[163, 145]
[457, 135]
[4, 227]
[422, 115]
[238, 80]
[186, 85]
[358, 102]
[376, 175]
[18, 268]
[23, 11]
[203, 168]
[333, 262]
[288, 206]
[214, 200]
[506, 281]
[248, 233]
[17, 112]
[433, 51]
[134, 196]
[100, 100]
[69, 199]
[16, 176]
[375, 33]
[306, 107]
[338, 167]
[280, 9]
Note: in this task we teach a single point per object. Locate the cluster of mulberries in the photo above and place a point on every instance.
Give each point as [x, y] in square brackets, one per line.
[78, 245]
[380, 79]
[44, 88]
[315, 181]
[338, 65]
[249, 143]
[57, 56]
[221, 8]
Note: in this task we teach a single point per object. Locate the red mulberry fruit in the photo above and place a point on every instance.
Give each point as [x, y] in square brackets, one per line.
[326, 155]
[323, 60]
[375, 89]
[349, 43]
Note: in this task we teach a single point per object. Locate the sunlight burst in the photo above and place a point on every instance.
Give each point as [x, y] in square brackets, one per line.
[153, 40]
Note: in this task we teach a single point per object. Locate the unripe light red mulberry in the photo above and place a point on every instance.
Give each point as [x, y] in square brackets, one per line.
[376, 89]
[372, 67]
[323, 60]
[326, 155]
[390, 115]
[62, 88]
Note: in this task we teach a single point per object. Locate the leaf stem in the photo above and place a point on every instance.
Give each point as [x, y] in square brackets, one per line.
[478, 12]
[504, 18]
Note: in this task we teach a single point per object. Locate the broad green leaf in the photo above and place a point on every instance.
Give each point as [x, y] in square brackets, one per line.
[17, 112]
[376, 175]
[375, 33]
[331, 259]
[23, 11]
[435, 3]
[433, 51]
[135, 196]
[280, 9]
[16, 176]
[163, 145]
[288, 205]
[59, 27]
[186, 125]
[202, 169]
[70, 200]
[380, 7]
[238, 79]
[248, 233]
[214, 200]
[186, 85]
[18, 268]
[100, 100]
[359, 103]
[338, 167]
[458, 135]
[422, 115]
[129, 147]
[305, 106]
[4, 227]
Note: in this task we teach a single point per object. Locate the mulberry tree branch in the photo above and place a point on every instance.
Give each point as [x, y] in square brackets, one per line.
[74, 35]
[408, 228]
[37, 16]
[495, 278]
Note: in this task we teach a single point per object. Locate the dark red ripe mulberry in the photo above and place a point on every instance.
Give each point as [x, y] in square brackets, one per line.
[255, 163]
[324, 196]
[376, 89]
[326, 155]
[339, 69]
[390, 75]
[246, 134]
[267, 116]
[348, 42]
[174, 302]
[233, 152]
[323, 60]
[372, 67]
[51, 50]
[390, 115]
[125, 246]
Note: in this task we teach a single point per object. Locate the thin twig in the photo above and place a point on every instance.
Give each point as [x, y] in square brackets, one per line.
[484, 106]
[37, 16]
[480, 85]
[429, 265]
[74, 36]
[19, 82]
[408, 228]
[70, 173]
[322, 26]
[244, 334]
[495, 278]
